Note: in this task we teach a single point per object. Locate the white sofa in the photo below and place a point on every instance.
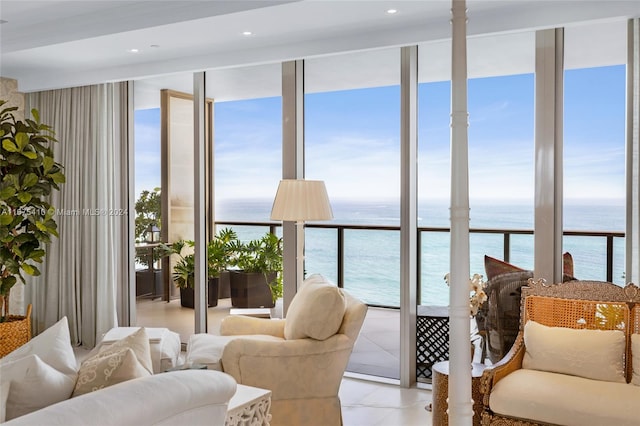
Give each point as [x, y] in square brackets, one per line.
[187, 397]
[42, 384]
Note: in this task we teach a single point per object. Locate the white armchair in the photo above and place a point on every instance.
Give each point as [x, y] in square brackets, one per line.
[304, 361]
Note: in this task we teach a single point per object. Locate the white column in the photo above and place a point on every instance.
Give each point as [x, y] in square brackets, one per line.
[292, 168]
[408, 213]
[632, 269]
[460, 403]
[200, 231]
[548, 155]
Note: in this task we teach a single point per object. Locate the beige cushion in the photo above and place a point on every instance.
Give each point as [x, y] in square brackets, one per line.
[207, 349]
[164, 343]
[559, 399]
[139, 342]
[124, 360]
[593, 354]
[635, 359]
[316, 311]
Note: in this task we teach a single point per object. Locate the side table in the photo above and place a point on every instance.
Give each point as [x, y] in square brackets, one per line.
[440, 393]
[249, 406]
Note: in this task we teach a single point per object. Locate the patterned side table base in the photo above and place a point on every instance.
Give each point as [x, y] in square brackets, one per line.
[249, 406]
[441, 393]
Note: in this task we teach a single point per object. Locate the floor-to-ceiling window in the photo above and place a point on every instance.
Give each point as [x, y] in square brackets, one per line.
[594, 149]
[352, 142]
[500, 105]
[247, 144]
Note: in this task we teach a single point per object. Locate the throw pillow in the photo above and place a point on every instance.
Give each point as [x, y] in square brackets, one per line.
[494, 267]
[39, 372]
[592, 354]
[316, 311]
[635, 358]
[139, 343]
[108, 368]
[53, 346]
[567, 266]
[126, 359]
[30, 384]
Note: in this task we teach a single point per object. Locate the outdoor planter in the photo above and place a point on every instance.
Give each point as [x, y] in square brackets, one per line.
[187, 295]
[251, 289]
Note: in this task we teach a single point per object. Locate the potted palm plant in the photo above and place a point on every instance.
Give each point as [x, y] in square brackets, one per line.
[28, 175]
[257, 281]
[219, 255]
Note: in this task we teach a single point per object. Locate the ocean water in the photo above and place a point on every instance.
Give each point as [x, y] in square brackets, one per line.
[372, 257]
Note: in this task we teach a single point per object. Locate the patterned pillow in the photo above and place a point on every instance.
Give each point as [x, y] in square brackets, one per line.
[126, 359]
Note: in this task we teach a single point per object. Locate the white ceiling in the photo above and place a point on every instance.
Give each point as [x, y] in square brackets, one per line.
[51, 44]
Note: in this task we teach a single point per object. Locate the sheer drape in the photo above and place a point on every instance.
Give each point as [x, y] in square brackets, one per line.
[87, 265]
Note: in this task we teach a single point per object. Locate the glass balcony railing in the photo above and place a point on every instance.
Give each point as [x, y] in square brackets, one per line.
[365, 259]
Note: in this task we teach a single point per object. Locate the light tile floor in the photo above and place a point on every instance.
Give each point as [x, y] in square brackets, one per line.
[377, 351]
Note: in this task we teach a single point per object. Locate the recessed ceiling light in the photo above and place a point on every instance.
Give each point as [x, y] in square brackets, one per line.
[154, 46]
[247, 33]
[133, 51]
[392, 11]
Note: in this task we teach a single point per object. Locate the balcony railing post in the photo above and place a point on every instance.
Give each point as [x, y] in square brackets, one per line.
[610, 258]
[506, 246]
[341, 257]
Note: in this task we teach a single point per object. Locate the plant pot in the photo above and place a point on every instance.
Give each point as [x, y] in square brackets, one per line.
[149, 283]
[224, 285]
[251, 289]
[187, 295]
[15, 332]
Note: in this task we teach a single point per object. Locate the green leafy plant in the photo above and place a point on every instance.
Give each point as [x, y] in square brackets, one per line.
[28, 175]
[220, 254]
[263, 255]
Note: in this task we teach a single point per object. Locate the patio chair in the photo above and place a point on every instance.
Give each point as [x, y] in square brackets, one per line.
[499, 317]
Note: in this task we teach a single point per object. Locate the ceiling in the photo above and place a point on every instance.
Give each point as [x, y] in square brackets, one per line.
[52, 44]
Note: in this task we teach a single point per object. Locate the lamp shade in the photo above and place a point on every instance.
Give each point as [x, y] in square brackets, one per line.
[301, 200]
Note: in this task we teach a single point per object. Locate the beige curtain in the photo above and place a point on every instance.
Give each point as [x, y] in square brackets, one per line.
[86, 268]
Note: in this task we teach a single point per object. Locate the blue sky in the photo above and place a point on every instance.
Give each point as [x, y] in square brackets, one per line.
[352, 140]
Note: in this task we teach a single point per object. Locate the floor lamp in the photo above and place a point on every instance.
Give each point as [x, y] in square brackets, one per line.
[298, 201]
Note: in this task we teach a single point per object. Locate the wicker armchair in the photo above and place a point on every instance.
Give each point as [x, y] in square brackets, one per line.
[499, 318]
[574, 304]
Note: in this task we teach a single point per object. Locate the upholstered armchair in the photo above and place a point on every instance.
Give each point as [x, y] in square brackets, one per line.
[304, 360]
